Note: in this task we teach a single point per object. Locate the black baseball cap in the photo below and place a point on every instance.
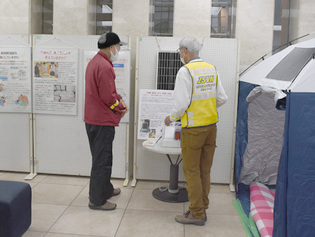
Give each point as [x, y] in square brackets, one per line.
[108, 39]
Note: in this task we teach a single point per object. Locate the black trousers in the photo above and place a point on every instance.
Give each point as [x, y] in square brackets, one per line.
[101, 144]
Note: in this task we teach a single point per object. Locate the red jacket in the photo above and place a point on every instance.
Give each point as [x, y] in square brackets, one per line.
[100, 93]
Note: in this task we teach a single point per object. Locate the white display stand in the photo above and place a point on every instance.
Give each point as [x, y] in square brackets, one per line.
[223, 53]
[172, 193]
[61, 140]
[15, 124]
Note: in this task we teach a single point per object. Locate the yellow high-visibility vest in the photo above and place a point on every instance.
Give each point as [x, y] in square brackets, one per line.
[202, 110]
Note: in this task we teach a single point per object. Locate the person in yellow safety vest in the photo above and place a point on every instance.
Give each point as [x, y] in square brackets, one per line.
[198, 93]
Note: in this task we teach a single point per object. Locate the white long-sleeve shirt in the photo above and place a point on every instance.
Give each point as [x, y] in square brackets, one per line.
[183, 92]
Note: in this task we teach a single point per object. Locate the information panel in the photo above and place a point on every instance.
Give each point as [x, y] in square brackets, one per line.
[55, 80]
[15, 79]
[154, 106]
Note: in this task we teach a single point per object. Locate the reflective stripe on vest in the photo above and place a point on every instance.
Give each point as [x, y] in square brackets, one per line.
[202, 110]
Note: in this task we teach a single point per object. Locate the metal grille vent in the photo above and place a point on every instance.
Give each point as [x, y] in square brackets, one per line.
[168, 65]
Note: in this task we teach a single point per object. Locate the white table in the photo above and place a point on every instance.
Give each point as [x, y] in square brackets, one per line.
[172, 193]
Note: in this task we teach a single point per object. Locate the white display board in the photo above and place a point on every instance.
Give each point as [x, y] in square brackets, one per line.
[223, 53]
[61, 140]
[15, 88]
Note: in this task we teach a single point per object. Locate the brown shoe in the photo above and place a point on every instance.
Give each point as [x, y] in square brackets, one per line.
[108, 206]
[188, 218]
[116, 192]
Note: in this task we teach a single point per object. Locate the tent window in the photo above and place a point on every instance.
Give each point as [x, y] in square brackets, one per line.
[292, 64]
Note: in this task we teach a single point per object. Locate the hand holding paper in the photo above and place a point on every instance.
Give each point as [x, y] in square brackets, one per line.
[167, 120]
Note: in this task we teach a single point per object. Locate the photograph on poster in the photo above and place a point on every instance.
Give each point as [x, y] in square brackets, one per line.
[146, 130]
[145, 125]
[46, 69]
[64, 93]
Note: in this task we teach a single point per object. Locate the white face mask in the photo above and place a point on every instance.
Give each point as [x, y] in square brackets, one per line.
[113, 58]
[182, 60]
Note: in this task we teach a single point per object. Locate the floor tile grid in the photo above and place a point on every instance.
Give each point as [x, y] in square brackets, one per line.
[48, 232]
[39, 179]
[73, 204]
[125, 209]
[149, 214]
[139, 205]
[43, 181]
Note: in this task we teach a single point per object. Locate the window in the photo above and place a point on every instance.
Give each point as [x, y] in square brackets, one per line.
[168, 65]
[161, 17]
[47, 16]
[104, 13]
[223, 18]
[281, 25]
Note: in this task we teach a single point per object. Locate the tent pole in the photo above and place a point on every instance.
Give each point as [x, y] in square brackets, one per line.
[232, 186]
[286, 44]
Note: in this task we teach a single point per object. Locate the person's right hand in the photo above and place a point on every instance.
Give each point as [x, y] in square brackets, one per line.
[167, 120]
[123, 112]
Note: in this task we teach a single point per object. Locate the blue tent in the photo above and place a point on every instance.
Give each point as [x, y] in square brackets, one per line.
[275, 135]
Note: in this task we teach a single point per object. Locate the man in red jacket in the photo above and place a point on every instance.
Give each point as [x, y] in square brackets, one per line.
[104, 108]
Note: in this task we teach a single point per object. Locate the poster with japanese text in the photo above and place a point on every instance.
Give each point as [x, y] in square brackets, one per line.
[55, 76]
[15, 79]
[122, 72]
[154, 106]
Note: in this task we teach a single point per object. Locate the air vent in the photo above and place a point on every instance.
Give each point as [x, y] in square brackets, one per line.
[168, 64]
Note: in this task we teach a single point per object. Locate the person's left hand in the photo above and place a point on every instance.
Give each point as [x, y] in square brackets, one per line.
[125, 106]
[167, 120]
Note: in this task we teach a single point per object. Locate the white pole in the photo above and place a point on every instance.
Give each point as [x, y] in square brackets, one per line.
[32, 173]
[125, 184]
[134, 180]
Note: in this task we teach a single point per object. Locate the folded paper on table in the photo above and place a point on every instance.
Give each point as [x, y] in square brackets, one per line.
[151, 142]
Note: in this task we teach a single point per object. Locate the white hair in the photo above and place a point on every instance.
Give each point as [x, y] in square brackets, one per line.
[191, 44]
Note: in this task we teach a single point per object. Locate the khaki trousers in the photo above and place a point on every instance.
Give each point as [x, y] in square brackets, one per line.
[198, 145]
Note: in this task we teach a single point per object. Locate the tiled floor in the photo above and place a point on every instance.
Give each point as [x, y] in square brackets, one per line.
[59, 209]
